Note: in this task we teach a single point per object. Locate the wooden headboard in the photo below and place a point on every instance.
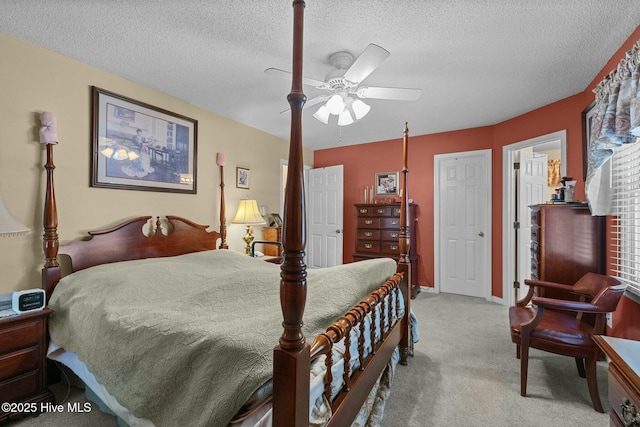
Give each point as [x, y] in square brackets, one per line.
[128, 241]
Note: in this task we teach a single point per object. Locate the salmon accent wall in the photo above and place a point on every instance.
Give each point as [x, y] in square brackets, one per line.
[362, 161]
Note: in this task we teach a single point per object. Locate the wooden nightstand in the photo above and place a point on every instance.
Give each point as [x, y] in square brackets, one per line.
[22, 361]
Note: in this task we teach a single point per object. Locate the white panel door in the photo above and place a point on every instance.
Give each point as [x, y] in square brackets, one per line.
[325, 201]
[532, 190]
[464, 204]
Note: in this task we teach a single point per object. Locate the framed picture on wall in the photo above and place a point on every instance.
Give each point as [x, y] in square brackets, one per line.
[386, 184]
[136, 146]
[242, 178]
[587, 118]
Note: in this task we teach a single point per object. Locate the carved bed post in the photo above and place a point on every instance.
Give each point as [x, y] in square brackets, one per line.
[50, 242]
[223, 214]
[404, 263]
[291, 358]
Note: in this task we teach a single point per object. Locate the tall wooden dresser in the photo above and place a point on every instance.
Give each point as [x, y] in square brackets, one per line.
[566, 242]
[378, 233]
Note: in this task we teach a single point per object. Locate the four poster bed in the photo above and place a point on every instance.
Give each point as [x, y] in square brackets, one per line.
[167, 329]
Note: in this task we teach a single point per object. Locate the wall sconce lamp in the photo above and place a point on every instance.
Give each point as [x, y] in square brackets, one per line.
[249, 215]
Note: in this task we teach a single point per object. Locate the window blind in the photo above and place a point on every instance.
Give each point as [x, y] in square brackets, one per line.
[626, 225]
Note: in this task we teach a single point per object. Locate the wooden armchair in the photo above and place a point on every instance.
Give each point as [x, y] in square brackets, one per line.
[558, 326]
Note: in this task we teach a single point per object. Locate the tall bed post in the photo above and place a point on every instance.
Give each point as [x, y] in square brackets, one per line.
[404, 263]
[223, 213]
[291, 358]
[50, 242]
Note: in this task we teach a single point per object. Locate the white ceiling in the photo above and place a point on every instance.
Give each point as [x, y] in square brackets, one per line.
[478, 62]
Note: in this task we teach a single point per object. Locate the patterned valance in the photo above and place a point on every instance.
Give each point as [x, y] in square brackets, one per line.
[615, 123]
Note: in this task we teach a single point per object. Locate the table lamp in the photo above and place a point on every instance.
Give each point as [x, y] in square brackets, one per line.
[249, 215]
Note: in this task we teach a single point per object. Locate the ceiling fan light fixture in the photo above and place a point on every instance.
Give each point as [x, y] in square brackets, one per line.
[360, 109]
[322, 114]
[335, 104]
[345, 118]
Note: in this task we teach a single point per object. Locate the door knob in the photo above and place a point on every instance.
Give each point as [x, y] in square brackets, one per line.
[481, 234]
[338, 231]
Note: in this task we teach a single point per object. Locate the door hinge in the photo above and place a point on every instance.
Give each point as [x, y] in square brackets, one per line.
[516, 225]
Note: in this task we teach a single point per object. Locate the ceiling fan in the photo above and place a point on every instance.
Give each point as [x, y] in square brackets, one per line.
[345, 92]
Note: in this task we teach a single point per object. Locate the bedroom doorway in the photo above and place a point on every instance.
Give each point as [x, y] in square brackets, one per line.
[462, 211]
[324, 195]
[325, 216]
[514, 251]
[532, 179]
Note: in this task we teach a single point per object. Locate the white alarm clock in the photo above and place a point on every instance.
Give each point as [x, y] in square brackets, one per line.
[28, 300]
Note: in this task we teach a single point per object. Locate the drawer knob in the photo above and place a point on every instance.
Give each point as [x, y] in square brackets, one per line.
[368, 222]
[394, 235]
[394, 247]
[363, 211]
[368, 245]
[368, 234]
[630, 417]
[380, 211]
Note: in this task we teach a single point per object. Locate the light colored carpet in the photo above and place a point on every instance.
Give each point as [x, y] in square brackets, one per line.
[464, 373]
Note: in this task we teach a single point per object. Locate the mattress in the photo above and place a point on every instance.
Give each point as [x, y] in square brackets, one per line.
[120, 309]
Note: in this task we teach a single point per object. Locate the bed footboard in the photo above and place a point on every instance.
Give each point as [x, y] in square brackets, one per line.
[375, 323]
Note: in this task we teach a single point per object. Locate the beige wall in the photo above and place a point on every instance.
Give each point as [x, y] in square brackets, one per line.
[33, 80]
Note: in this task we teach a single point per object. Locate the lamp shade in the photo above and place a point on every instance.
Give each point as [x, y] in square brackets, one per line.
[335, 104]
[248, 213]
[9, 226]
[322, 114]
[360, 109]
[345, 118]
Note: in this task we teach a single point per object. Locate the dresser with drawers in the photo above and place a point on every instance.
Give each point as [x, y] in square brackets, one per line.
[378, 233]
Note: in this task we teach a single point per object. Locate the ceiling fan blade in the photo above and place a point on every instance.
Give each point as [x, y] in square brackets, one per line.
[393, 93]
[316, 100]
[369, 59]
[310, 103]
[287, 75]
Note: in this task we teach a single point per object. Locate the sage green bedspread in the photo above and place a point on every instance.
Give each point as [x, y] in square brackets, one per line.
[186, 340]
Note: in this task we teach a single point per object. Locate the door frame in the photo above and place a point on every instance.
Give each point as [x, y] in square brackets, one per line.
[508, 204]
[486, 154]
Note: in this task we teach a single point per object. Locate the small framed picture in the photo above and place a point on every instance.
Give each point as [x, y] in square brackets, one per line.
[277, 221]
[242, 178]
[386, 184]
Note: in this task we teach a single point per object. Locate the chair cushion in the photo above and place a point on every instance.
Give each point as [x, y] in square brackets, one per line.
[557, 332]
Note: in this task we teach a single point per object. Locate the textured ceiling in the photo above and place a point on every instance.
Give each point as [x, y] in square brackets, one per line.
[478, 62]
